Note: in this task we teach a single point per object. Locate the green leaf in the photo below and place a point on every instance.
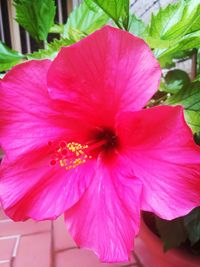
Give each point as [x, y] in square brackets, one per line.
[188, 42]
[164, 20]
[137, 26]
[197, 77]
[193, 119]
[192, 225]
[8, 57]
[117, 10]
[51, 50]
[92, 5]
[84, 21]
[176, 20]
[167, 60]
[174, 81]
[172, 233]
[197, 138]
[198, 63]
[36, 16]
[194, 9]
[57, 28]
[158, 43]
[190, 99]
[175, 29]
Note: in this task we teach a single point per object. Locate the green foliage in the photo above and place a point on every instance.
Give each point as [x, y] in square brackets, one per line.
[174, 81]
[193, 119]
[36, 16]
[57, 28]
[198, 63]
[158, 43]
[83, 21]
[192, 225]
[172, 233]
[188, 42]
[198, 77]
[176, 20]
[175, 232]
[175, 28]
[137, 26]
[51, 49]
[197, 138]
[168, 61]
[117, 10]
[190, 99]
[8, 57]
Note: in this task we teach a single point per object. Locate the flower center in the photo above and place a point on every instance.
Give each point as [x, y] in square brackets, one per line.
[72, 154]
[109, 137]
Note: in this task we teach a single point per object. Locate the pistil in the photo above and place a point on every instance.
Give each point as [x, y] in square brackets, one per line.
[70, 155]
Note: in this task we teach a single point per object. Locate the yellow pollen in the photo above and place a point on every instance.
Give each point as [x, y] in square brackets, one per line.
[71, 155]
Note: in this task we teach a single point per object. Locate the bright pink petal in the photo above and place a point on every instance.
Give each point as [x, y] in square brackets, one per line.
[31, 188]
[29, 118]
[164, 157]
[111, 69]
[106, 219]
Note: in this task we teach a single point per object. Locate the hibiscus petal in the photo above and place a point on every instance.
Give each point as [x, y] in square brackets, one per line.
[110, 68]
[164, 157]
[106, 218]
[29, 118]
[31, 188]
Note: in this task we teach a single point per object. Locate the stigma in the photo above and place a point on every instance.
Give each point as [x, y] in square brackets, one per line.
[70, 155]
[103, 142]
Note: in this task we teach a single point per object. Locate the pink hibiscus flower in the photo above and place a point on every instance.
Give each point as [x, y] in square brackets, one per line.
[77, 141]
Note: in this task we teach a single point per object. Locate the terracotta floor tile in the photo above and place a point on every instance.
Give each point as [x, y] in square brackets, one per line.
[34, 248]
[80, 258]
[21, 228]
[33, 251]
[4, 264]
[61, 237]
[6, 248]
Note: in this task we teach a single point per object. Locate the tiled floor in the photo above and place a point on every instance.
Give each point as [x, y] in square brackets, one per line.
[44, 244]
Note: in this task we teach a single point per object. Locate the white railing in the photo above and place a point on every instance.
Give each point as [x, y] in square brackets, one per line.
[16, 37]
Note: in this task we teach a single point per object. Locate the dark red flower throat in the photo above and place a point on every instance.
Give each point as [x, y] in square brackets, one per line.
[108, 138]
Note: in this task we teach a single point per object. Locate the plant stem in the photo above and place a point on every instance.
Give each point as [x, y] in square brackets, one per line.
[194, 65]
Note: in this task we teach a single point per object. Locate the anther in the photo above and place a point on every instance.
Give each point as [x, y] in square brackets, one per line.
[70, 155]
